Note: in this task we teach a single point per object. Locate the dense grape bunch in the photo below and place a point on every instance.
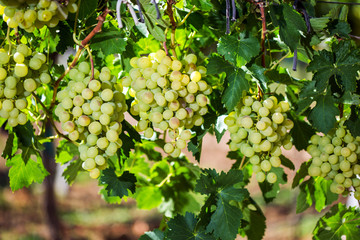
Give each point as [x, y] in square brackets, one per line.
[31, 14]
[259, 129]
[170, 95]
[335, 157]
[91, 112]
[21, 72]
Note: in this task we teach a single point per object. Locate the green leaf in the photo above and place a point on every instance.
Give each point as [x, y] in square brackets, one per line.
[154, 235]
[259, 74]
[23, 174]
[238, 50]
[304, 199]
[270, 191]
[301, 133]
[339, 28]
[86, 8]
[342, 64]
[203, 5]
[301, 174]
[148, 197]
[225, 221]
[184, 227]
[110, 42]
[66, 37]
[315, 190]
[322, 116]
[318, 24]
[155, 26]
[255, 218]
[353, 122]
[287, 162]
[10, 147]
[291, 24]
[237, 84]
[148, 147]
[71, 172]
[206, 183]
[117, 186]
[339, 221]
[66, 151]
[218, 65]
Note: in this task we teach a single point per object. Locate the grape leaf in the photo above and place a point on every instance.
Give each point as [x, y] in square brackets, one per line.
[148, 197]
[290, 22]
[225, 221]
[117, 186]
[233, 92]
[322, 116]
[339, 221]
[339, 28]
[10, 147]
[153, 235]
[342, 63]
[218, 65]
[206, 184]
[270, 191]
[301, 133]
[66, 38]
[23, 174]
[256, 221]
[66, 151]
[110, 42]
[301, 174]
[315, 190]
[259, 74]
[203, 5]
[353, 122]
[71, 172]
[238, 50]
[184, 227]
[86, 8]
[287, 162]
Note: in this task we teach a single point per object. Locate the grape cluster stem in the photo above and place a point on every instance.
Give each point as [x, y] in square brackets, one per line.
[83, 44]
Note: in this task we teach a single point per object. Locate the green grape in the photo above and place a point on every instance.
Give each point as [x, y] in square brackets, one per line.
[271, 177]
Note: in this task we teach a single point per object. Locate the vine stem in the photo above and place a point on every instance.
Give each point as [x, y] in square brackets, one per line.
[341, 109]
[83, 43]
[169, 10]
[242, 162]
[91, 62]
[263, 33]
[280, 60]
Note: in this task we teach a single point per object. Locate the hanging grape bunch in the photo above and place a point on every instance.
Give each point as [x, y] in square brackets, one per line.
[91, 112]
[32, 14]
[169, 95]
[335, 157]
[259, 129]
[21, 72]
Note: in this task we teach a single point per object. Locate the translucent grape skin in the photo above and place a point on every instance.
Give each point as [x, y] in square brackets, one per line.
[169, 95]
[258, 129]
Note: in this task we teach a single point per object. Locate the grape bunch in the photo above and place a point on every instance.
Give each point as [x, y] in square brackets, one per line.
[170, 95]
[91, 112]
[335, 157]
[21, 72]
[259, 129]
[31, 14]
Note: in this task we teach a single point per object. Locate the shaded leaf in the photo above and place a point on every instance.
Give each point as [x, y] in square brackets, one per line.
[118, 186]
